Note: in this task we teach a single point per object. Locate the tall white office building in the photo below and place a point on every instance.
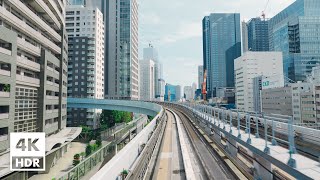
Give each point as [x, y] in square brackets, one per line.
[121, 67]
[249, 66]
[152, 53]
[85, 29]
[147, 83]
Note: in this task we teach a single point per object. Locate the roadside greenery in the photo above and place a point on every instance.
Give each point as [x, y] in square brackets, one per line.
[93, 147]
[109, 118]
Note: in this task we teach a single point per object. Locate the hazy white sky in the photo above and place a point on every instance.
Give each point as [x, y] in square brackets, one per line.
[174, 28]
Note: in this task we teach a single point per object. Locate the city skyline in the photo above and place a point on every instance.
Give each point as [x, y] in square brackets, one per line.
[149, 89]
[181, 44]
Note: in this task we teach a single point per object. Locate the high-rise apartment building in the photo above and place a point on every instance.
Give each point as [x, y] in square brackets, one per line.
[33, 76]
[258, 34]
[221, 45]
[200, 77]
[294, 31]
[122, 81]
[147, 83]
[85, 29]
[121, 47]
[249, 66]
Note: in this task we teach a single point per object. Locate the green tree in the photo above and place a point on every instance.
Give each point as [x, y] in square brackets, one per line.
[94, 147]
[109, 118]
[85, 131]
[127, 117]
[76, 156]
[88, 150]
[76, 159]
[98, 142]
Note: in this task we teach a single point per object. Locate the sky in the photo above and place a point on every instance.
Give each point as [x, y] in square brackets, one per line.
[174, 27]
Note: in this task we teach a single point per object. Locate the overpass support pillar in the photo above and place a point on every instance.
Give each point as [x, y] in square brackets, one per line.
[262, 168]
[232, 147]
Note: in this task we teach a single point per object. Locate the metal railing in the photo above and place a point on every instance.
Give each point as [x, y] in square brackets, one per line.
[105, 152]
[141, 165]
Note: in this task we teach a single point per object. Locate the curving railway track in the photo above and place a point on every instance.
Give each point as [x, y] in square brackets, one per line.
[214, 163]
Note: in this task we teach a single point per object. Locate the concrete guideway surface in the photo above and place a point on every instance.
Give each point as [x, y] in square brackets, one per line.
[214, 168]
[170, 163]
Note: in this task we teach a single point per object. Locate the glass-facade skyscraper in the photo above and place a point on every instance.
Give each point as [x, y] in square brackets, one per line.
[296, 32]
[121, 74]
[221, 45]
[258, 38]
[170, 93]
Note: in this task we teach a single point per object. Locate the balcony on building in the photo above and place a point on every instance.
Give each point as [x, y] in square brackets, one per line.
[5, 47]
[91, 42]
[91, 54]
[28, 46]
[4, 112]
[50, 80]
[55, 108]
[90, 91]
[4, 90]
[91, 85]
[56, 83]
[90, 116]
[5, 69]
[91, 48]
[90, 60]
[52, 95]
[90, 66]
[28, 62]
[50, 66]
[49, 109]
[90, 72]
[90, 78]
[27, 78]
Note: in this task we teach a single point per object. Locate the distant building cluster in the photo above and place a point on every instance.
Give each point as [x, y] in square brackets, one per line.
[272, 67]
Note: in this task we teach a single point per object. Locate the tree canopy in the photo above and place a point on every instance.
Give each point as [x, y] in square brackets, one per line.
[109, 118]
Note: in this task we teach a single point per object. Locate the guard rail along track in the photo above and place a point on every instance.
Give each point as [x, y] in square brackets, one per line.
[230, 167]
[140, 167]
